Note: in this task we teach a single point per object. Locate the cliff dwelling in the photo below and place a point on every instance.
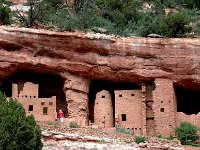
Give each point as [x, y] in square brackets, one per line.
[116, 104]
[41, 94]
[43, 109]
[147, 85]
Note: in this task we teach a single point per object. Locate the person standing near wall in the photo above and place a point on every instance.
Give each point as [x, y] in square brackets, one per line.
[61, 115]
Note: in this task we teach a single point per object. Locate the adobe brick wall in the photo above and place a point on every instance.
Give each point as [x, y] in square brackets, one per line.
[103, 110]
[164, 107]
[129, 102]
[193, 119]
[28, 97]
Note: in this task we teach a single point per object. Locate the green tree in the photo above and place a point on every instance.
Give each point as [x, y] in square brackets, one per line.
[187, 133]
[4, 13]
[191, 3]
[33, 15]
[149, 24]
[119, 12]
[175, 24]
[18, 131]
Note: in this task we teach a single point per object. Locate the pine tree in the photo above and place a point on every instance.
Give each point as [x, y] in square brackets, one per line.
[18, 131]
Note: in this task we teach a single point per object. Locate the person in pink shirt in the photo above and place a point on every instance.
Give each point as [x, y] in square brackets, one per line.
[61, 115]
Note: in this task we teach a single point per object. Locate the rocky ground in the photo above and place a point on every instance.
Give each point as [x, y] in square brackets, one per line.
[60, 137]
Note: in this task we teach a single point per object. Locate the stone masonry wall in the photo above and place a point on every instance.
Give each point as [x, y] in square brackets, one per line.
[43, 109]
[128, 109]
[164, 106]
[103, 110]
[193, 119]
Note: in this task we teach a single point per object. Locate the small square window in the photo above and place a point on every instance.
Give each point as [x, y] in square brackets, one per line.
[120, 95]
[103, 96]
[45, 110]
[42, 103]
[50, 103]
[30, 108]
[162, 109]
[132, 94]
[123, 117]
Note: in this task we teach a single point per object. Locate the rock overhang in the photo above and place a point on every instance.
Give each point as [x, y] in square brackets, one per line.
[100, 57]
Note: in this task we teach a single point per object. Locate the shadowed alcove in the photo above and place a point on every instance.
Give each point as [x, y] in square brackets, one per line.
[49, 85]
[187, 100]
[99, 85]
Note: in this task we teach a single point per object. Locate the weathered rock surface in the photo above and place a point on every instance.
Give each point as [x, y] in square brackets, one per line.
[97, 56]
[74, 141]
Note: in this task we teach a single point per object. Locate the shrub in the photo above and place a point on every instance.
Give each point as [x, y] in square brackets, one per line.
[33, 15]
[122, 131]
[187, 133]
[4, 13]
[53, 124]
[175, 24]
[170, 137]
[197, 29]
[73, 125]
[18, 131]
[50, 7]
[159, 135]
[149, 24]
[119, 12]
[191, 3]
[61, 20]
[102, 141]
[140, 139]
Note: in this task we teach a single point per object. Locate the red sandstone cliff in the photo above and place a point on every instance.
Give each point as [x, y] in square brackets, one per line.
[96, 56]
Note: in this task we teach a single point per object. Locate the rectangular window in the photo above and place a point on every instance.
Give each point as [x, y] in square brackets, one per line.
[123, 117]
[50, 103]
[162, 109]
[30, 108]
[42, 103]
[45, 110]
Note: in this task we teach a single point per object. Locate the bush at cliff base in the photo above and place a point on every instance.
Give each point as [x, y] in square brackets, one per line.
[188, 134]
[17, 131]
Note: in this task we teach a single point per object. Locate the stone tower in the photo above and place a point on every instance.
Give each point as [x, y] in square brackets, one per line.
[103, 110]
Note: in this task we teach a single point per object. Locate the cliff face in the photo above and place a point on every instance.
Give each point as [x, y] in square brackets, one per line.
[95, 56]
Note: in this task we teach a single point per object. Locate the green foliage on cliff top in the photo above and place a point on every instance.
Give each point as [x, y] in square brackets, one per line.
[4, 13]
[123, 17]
